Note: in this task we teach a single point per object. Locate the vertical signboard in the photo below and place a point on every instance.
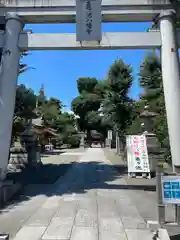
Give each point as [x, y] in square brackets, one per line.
[88, 20]
[137, 154]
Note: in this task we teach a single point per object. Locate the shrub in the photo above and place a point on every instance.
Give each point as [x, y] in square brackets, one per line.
[73, 141]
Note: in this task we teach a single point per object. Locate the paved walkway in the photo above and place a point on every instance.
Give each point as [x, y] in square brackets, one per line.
[90, 203]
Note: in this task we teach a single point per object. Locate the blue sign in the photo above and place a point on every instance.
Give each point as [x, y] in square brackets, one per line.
[171, 189]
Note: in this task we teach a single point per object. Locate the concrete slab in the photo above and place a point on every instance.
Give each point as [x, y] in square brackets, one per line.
[16, 215]
[111, 224]
[59, 229]
[88, 203]
[106, 209]
[84, 233]
[52, 202]
[72, 153]
[112, 235]
[30, 233]
[66, 210]
[42, 217]
[137, 234]
[111, 228]
[86, 218]
[133, 223]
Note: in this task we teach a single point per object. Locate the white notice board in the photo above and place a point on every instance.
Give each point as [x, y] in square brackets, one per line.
[137, 154]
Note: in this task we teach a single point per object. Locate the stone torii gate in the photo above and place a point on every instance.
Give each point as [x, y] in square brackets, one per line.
[16, 13]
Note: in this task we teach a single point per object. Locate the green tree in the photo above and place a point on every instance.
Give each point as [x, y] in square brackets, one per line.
[117, 106]
[25, 101]
[66, 126]
[24, 107]
[88, 104]
[151, 82]
[150, 78]
[100, 88]
[86, 84]
[88, 101]
[28, 105]
[135, 126]
[51, 111]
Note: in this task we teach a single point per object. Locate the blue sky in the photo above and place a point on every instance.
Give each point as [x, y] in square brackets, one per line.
[59, 70]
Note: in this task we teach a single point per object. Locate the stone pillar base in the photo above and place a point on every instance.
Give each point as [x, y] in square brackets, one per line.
[7, 190]
[177, 169]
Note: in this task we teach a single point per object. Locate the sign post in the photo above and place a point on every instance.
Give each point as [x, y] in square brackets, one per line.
[168, 192]
[160, 204]
[88, 20]
[170, 189]
[177, 213]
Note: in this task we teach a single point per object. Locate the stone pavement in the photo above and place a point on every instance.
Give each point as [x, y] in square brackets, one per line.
[39, 188]
[144, 191]
[90, 203]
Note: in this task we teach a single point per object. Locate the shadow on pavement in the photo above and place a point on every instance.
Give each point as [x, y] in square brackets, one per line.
[48, 180]
[50, 153]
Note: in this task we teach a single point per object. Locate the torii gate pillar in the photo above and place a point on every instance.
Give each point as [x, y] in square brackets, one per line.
[171, 82]
[8, 82]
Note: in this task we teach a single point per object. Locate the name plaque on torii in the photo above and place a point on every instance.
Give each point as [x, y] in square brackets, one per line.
[88, 20]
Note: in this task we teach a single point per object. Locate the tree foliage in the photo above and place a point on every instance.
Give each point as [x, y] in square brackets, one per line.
[24, 107]
[105, 104]
[53, 117]
[51, 111]
[25, 101]
[86, 84]
[117, 105]
[88, 103]
[150, 78]
[135, 126]
[29, 105]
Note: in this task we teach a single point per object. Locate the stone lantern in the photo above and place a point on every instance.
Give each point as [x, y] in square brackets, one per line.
[81, 133]
[147, 120]
[153, 145]
[30, 138]
[82, 139]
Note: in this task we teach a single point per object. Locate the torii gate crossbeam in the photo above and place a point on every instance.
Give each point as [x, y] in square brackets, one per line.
[67, 41]
[64, 11]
